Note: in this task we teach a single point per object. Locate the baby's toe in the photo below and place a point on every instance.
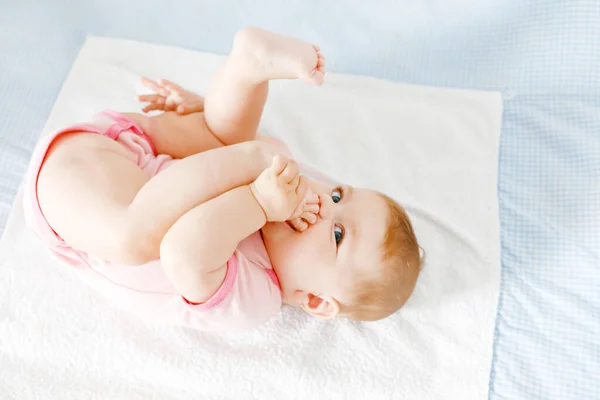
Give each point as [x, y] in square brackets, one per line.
[318, 77]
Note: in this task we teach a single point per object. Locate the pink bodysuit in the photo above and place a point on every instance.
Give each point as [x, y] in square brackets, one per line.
[248, 296]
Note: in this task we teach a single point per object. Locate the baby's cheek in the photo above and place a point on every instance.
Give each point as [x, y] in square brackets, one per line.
[323, 244]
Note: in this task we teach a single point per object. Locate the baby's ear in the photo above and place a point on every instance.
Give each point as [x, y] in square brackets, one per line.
[320, 306]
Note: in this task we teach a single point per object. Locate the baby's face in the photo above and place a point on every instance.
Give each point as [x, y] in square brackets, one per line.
[345, 240]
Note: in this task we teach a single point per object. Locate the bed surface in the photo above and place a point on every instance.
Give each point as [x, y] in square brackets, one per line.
[543, 55]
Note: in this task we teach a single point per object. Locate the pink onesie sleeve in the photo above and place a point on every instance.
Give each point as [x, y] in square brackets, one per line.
[248, 297]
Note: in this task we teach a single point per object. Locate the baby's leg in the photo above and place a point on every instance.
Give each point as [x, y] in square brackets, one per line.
[84, 188]
[130, 213]
[237, 95]
[98, 200]
[233, 106]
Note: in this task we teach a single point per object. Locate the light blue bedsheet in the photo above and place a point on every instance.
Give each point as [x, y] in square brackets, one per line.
[543, 55]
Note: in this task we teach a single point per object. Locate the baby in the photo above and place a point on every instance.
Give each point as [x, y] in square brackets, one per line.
[187, 218]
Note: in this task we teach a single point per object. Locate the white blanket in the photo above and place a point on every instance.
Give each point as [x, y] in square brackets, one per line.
[433, 149]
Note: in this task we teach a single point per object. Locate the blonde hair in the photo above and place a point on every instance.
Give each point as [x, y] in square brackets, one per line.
[383, 292]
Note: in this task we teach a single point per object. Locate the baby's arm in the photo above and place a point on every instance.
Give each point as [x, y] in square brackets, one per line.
[195, 251]
[169, 96]
[194, 180]
[180, 130]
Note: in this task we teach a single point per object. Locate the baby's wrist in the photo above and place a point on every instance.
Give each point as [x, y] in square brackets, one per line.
[259, 200]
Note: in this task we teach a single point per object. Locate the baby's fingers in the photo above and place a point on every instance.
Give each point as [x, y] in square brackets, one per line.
[151, 98]
[173, 87]
[155, 87]
[298, 224]
[313, 199]
[293, 184]
[152, 107]
[190, 107]
[291, 171]
[301, 188]
[311, 208]
[278, 164]
[309, 217]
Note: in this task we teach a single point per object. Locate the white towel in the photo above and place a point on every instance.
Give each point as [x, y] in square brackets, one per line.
[433, 149]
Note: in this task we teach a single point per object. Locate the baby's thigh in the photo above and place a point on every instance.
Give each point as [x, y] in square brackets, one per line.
[181, 136]
[84, 189]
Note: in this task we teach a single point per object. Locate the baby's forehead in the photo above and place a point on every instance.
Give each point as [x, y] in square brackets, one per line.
[369, 205]
[370, 220]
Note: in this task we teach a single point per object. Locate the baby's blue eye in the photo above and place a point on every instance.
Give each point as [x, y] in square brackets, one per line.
[338, 232]
[336, 195]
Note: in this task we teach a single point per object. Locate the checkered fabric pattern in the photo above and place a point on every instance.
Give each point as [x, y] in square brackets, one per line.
[548, 324]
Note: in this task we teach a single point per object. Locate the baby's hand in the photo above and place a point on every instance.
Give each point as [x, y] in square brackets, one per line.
[170, 97]
[308, 209]
[279, 189]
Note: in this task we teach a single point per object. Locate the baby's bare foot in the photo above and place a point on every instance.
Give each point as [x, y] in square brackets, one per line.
[265, 55]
